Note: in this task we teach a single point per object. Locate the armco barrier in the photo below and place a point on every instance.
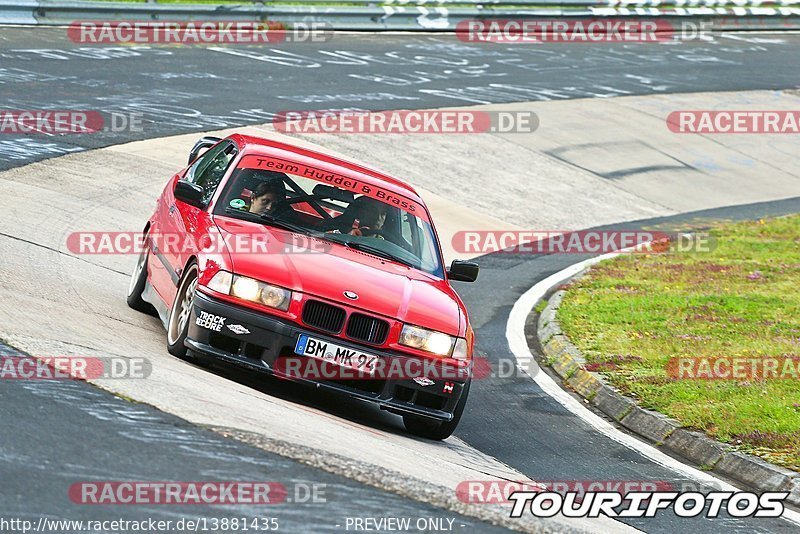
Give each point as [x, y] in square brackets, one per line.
[18, 11]
[414, 15]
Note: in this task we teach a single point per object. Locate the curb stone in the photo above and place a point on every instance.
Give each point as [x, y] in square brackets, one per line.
[649, 424]
[703, 450]
[754, 471]
[568, 363]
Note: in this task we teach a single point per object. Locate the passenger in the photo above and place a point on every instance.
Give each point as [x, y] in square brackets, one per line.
[369, 217]
[266, 196]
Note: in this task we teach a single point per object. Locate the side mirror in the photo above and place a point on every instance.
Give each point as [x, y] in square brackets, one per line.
[190, 193]
[202, 144]
[463, 271]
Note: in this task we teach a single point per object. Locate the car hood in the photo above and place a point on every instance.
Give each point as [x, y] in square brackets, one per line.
[320, 268]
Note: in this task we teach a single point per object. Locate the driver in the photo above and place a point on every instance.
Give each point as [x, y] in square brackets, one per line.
[266, 195]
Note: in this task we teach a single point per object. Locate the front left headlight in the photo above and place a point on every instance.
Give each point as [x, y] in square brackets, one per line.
[249, 289]
[427, 340]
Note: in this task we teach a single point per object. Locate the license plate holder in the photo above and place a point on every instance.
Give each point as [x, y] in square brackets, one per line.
[346, 357]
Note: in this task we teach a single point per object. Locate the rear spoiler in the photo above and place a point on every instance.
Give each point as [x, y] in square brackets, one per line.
[205, 142]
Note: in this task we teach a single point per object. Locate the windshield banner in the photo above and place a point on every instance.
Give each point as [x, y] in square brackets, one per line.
[348, 183]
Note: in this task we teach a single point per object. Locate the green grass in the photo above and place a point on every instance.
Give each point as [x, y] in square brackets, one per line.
[632, 314]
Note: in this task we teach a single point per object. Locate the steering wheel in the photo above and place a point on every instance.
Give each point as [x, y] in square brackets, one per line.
[280, 207]
[369, 232]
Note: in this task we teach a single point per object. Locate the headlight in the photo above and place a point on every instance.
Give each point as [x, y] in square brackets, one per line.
[427, 340]
[221, 283]
[248, 289]
[275, 297]
[460, 351]
[245, 288]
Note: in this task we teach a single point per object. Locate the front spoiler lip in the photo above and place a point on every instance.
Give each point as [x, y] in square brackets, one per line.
[287, 330]
[264, 368]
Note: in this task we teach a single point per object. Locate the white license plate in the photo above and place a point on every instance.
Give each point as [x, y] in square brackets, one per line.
[337, 354]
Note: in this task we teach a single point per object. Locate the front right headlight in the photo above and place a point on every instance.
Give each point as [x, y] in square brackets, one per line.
[460, 350]
[427, 340]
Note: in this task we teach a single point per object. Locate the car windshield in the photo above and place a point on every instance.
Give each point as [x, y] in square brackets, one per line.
[341, 209]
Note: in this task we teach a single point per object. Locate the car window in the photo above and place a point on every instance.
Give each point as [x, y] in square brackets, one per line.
[406, 228]
[385, 227]
[425, 248]
[208, 170]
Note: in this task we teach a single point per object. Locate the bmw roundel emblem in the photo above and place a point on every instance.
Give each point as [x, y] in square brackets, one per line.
[351, 295]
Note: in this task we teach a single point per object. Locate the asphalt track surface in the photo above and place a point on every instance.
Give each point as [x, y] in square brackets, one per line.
[193, 89]
[60, 433]
[186, 89]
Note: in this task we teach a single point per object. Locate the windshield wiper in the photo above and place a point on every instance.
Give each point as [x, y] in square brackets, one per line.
[286, 225]
[375, 251]
[271, 220]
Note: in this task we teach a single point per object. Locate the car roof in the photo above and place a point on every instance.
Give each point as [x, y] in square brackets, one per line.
[251, 145]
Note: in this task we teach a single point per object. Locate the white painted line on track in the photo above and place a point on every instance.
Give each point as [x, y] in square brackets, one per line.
[515, 334]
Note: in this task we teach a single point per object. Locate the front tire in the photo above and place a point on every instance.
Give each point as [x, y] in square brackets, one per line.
[438, 430]
[178, 325]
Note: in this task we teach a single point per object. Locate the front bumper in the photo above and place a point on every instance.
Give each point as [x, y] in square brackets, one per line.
[255, 340]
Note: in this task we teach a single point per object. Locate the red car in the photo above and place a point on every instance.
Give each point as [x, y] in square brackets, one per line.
[311, 268]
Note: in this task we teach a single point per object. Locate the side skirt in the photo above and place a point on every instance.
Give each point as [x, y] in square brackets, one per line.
[150, 295]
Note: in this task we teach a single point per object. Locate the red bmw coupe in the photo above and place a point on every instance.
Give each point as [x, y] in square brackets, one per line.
[311, 268]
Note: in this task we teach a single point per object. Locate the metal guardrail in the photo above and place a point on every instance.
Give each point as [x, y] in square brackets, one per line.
[18, 11]
[509, 4]
[412, 15]
[484, 4]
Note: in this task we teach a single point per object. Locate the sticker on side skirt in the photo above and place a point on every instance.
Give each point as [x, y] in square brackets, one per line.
[209, 321]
